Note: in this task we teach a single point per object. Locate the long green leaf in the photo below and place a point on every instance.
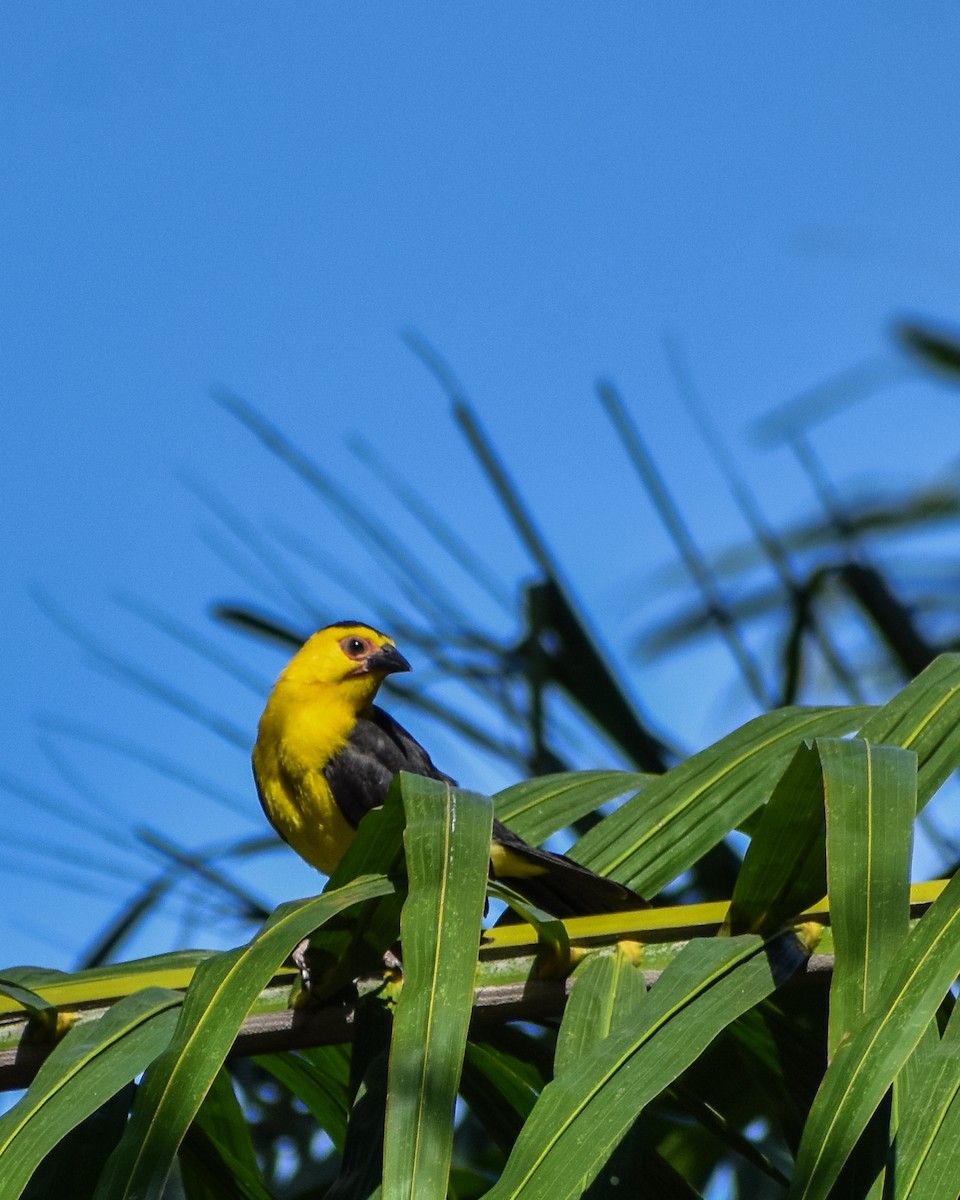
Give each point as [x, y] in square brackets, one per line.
[870, 797]
[102, 984]
[222, 993]
[866, 1065]
[928, 1139]
[73, 1166]
[501, 1084]
[871, 801]
[319, 1078]
[580, 1118]
[924, 718]
[210, 1171]
[41, 1011]
[448, 851]
[222, 1119]
[217, 1158]
[93, 1062]
[361, 1165]
[677, 818]
[784, 868]
[539, 807]
[609, 991]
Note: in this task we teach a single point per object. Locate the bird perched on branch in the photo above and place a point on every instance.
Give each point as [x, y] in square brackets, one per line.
[326, 755]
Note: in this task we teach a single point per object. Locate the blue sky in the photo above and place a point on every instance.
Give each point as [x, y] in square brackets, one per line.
[261, 198]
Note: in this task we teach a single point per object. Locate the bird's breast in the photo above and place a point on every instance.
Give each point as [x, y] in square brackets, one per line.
[296, 741]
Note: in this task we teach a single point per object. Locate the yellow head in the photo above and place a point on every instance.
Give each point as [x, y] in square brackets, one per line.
[351, 657]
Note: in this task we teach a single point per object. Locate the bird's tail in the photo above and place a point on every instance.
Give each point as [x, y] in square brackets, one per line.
[554, 882]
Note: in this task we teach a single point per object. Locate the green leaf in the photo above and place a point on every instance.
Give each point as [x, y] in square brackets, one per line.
[208, 1171]
[73, 1166]
[499, 1086]
[609, 991]
[784, 868]
[538, 808]
[319, 1078]
[33, 977]
[448, 852]
[221, 1118]
[871, 802]
[93, 1062]
[867, 1064]
[924, 718]
[361, 1166]
[221, 995]
[41, 1011]
[581, 1117]
[928, 1139]
[217, 1159]
[678, 817]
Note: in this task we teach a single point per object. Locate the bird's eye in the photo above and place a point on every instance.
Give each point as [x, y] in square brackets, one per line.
[354, 646]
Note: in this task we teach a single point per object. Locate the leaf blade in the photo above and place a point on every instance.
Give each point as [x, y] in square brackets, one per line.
[448, 850]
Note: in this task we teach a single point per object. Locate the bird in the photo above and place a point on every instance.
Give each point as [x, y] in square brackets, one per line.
[325, 755]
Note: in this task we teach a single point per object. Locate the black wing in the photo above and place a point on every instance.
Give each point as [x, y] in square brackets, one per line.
[377, 749]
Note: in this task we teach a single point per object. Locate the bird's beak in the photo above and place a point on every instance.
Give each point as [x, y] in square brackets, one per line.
[387, 660]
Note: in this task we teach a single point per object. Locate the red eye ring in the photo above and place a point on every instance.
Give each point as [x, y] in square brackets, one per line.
[353, 647]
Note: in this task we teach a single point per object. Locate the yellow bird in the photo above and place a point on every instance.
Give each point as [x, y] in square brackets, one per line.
[326, 755]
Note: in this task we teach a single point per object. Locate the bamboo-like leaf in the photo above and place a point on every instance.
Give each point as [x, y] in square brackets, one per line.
[928, 1139]
[361, 1166]
[579, 1119]
[223, 991]
[40, 1010]
[92, 1063]
[222, 1119]
[866, 1065]
[217, 1159]
[608, 992]
[208, 1171]
[102, 984]
[649, 840]
[784, 868]
[537, 808]
[871, 801]
[500, 1087]
[73, 1166]
[34, 977]
[349, 947]
[448, 851]
[924, 718]
[318, 1077]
